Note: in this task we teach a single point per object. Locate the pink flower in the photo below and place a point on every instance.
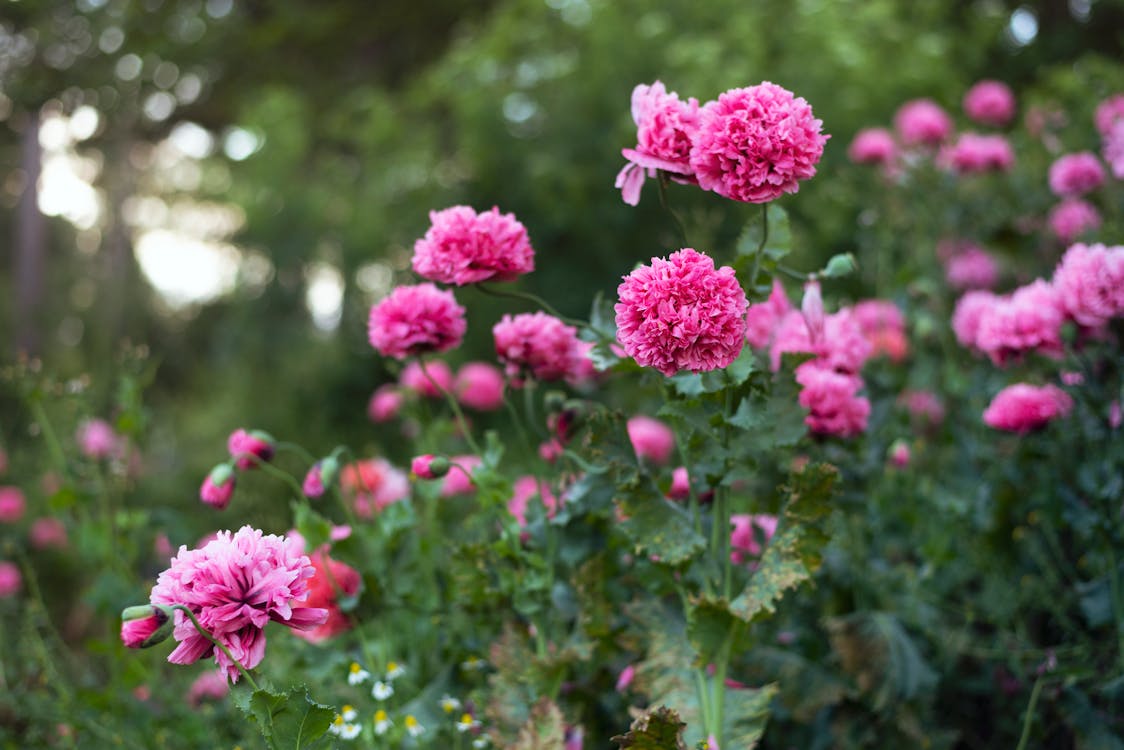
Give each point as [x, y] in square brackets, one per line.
[1027, 320]
[48, 532]
[218, 487]
[234, 586]
[331, 580]
[248, 449]
[1115, 415]
[883, 325]
[749, 535]
[414, 320]
[665, 127]
[923, 406]
[211, 685]
[680, 484]
[429, 466]
[651, 439]
[1112, 149]
[755, 144]
[843, 346]
[385, 403]
[464, 247]
[811, 307]
[527, 487]
[899, 454]
[761, 318]
[374, 484]
[1076, 174]
[974, 153]
[973, 268]
[1109, 112]
[319, 477]
[966, 316]
[873, 146]
[10, 579]
[1022, 407]
[536, 344]
[459, 479]
[144, 631]
[922, 122]
[1090, 283]
[681, 314]
[990, 103]
[12, 504]
[479, 386]
[832, 400]
[624, 679]
[1072, 218]
[438, 382]
[97, 439]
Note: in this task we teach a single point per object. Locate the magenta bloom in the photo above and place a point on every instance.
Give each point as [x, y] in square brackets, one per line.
[1076, 174]
[414, 320]
[624, 679]
[459, 479]
[1022, 407]
[681, 314]
[680, 484]
[48, 532]
[990, 103]
[832, 400]
[145, 631]
[651, 439]
[526, 488]
[762, 318]
[1072, 218]
[1109, 112]
[843, 346]
[755, 144]
[429, 466]
[385, 403]
[966, 316]
[922, 122]
[12, 504]
[234, 586]
[313, 484]
[665, 127]
[536, 345]
[973, 268]
[248, 449]
[438, 382]
[1029, 319]
[750, 534]
[97, 439]
[873, 146]
[211, 685]
[218, 487]
[479, 386]
[974, 153]
[1112, 149]
[883, 325]
[464, 247]
[10, 579]
[1090, 283]
[899, 454]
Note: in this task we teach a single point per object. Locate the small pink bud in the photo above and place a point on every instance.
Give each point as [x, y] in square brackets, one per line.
[218, 487]
[899, 454]
[812, 309]
[12, 504]
[625, 678]
[145, 625]
[550, 450]
[48, 532]
[429, 466]
[248, 449]
[320, 477]
[10, 579]
[680, 484]
[1115, 415]
[385, 403]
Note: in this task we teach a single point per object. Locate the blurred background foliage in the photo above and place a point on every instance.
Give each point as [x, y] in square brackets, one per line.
[230, 183]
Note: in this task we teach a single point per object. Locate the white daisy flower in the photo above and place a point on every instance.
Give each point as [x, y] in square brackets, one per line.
[336, 726]
[348, 713]
[473, 664]
[449, 704]
[349, 731]
[413, 727]
[480, 742]
[356, 675]
[382, 722]
[394, 669]
[466, 722]
[381, 690]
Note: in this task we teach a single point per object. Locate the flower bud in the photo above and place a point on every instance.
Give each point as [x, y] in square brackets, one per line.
[249, 448]
[812, 309]
[218, 487]
[429, 466]
[899, 453]
[146, 625]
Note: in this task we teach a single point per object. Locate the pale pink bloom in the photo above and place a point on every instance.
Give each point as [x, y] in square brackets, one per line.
[843, 346]
[12, 504]
[974, 153]
[966, 316]
[1022, 407]
[10, 579]
[923, 406]
[665, 127]
[48, 532]
[651, 439]
[624, 679]
[1071, 377]
[97, 439]
[750, 534]
[550, 450]
[385, 403]
[1027, 320]
[811, 307]
[536, 345]
[479, 386]
[1076, 174]
[680, 484]
[990, 103]
[974, 268]
[459, 479]
[873, 146]
[922, 121]
[681, 314]
[414, 320]
[883, 325]
[762, 318]
[211, 685]
[832, 400]
[438, 382]
[234, 586]
[373, 483]
[248, 449]
[585, 373]
[755, 144]
[899, 454]
[1115, 415]
[1072, 218]
[1112, 149]
[1090, 283]
[464, 247]
[527, 487]
[1109, 112]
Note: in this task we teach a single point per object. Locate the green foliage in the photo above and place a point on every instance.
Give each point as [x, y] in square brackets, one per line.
[658, 729]
[289, 720]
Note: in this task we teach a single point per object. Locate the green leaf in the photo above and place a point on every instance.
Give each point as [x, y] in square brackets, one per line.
[315, 529]
[880, 655]
[709, 621]
[289, 721]
[661, 729]
[778, 244]
[656, 526]
[746, 713]
[544, 730]
[842, 264]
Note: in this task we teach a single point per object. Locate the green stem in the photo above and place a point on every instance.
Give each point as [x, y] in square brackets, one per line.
[529, 408]
[1029, 719]
[533, 299]
[226, 652]
[761, 245]
[53, 445]
[284, 476]
[282, 446]
[461, 421]
[662, 180]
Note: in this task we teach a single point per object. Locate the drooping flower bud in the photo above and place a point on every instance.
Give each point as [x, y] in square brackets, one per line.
[812, 309]
[321, 476]
[429, 466]
[249, 448]
[218, 487]
[146, 625]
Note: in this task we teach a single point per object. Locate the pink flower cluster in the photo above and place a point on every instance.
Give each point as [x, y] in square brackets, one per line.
[974, 153]
[234, 586]
[1108, 113]
[414, 320]
[843, 346]
[990, 103]
[464, 247]
[1072, 218]
[1022, 407]
[1076, 174]
[883, 325]
[922, 122]
[762, 318]
[537, 345]
[681, 313]
[665, 127]
[832, 400]
[1090, 284]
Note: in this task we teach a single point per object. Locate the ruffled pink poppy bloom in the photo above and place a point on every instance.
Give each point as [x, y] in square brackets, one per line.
[10, 579]
[12, 504]
[750, 534]
[234, 586]
[651, 439]
[526, 488]
[48, 532]
[1072, 218]
[883, 325]
[974, 153]
[1090, 283]
[211, 685]
[873, 146]
[415, 320]
[536, 345]
[843, 347]
[249, 448]
[1076, 174]
[97, 439]
[681, 314]
[479, 386]
[1028, 320]
[464, 247]
[922, 122]
[757, 143]
[762, 318]
[385, 403]
[1108, 113]
[832, 400]
[459, 479]
[966, 316]
[665, 127]
[990, 103]
[974, 268]
[438, 382]
[1022, 408]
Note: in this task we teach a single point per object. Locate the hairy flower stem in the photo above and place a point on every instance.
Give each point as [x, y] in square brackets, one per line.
[533, 299]
[457, 412]
[284, 476]
[1028, 721]
[226, 652]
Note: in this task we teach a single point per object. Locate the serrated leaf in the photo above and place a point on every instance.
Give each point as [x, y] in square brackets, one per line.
[746, 713]
[656, 526]
[289, 721]
[661, 729]
[709, 621]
